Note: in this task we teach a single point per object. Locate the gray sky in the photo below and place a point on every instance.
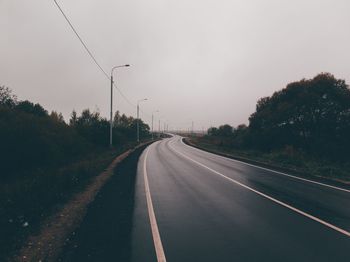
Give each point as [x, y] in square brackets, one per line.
[200, 60]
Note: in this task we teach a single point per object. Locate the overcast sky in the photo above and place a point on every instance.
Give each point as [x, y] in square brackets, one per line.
[200, 60]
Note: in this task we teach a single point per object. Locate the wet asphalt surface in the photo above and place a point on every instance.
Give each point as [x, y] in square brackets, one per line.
[202, 216]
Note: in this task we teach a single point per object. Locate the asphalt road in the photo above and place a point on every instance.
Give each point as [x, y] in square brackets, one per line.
[191, 205]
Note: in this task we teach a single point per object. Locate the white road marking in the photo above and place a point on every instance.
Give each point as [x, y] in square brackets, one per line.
[266, 196]
[267, 169]
[152, 217]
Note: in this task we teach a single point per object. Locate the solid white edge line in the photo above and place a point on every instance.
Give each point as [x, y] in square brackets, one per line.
[266, 196]
[152, 217]
[267, 169]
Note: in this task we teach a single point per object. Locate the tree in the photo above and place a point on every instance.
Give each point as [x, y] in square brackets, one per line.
[225, 130]
[30, 108]
[212, 131]
[116, 119]
[57, 117]
[6, 97]
[313, 115]
[73, 118]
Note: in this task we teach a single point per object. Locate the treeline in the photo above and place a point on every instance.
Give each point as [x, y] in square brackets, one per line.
[309, 116]
[32, 138]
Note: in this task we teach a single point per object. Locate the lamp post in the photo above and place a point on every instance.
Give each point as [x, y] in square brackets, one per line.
[111, 116]
[152, 121]
[138, 119]
[159, 127]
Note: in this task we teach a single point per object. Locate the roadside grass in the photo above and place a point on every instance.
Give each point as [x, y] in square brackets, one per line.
[105, 232]
[287, 159]
[26, 201]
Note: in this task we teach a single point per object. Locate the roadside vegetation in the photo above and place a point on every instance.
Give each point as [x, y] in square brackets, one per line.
[105, 233]
[45, 160]
[304, 127]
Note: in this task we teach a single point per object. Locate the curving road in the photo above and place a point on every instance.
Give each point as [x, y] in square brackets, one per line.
[192, 205]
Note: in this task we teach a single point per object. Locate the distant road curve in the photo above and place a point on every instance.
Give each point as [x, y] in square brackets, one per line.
[192, 205]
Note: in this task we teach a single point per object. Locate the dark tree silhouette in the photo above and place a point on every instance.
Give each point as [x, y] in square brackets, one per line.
[308, 115]
[6, 97]
[30, 108]
[313, 115]
[31, 138]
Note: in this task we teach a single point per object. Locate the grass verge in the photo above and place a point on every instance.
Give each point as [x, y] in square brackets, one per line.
[105, 233]
[284, 160]
[28, 201]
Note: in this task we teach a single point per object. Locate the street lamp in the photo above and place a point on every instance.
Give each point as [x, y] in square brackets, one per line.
[138, 119]
[111, 120]
[152, 121]
[159, 125]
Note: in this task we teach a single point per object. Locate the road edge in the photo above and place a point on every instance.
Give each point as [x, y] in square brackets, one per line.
[152, 217]
[333, 182]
